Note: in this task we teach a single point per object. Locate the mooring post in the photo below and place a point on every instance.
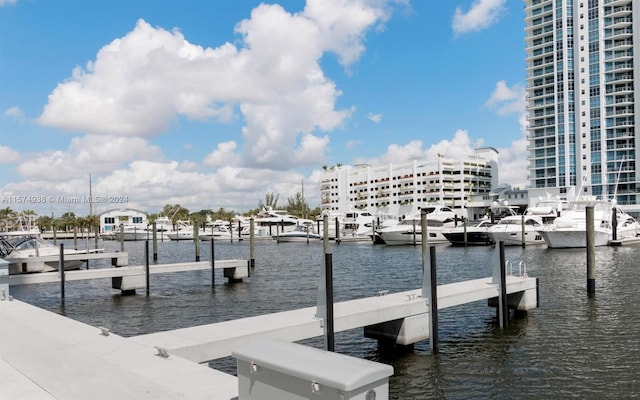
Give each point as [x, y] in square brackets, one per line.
[414, 232]
[239, 230]
[231, 231]
[614, 224]
[75, 238]
[338, 238]
[146, 264]
[121, 238]
[155, 242]
[329, 330]
[61, 271]
[196, 240]
[325, 234]
[55, 235]
[213, 265]
[464, 235]
[429, 284]
[503, 311]
[524, 233]
[252, 243]
[591, 252]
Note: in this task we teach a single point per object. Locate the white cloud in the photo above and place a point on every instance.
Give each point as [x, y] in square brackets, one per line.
[223, 155]
[481, 15]
[87, 154]
[15, 113]
[140, 83]
[7, 2]
[376, 118]
[8, 155]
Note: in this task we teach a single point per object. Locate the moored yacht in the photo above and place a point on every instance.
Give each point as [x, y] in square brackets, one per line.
[409, 229]
[570, 229]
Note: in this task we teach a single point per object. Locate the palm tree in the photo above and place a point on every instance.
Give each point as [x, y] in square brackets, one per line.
[7, 218]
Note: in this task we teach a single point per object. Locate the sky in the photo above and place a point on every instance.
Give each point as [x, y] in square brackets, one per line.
[214, 104]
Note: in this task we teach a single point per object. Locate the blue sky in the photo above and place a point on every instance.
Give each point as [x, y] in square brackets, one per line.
[213, 104]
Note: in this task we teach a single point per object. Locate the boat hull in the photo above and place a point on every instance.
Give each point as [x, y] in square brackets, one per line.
[514, 238]
[399, 237]
[473, 238]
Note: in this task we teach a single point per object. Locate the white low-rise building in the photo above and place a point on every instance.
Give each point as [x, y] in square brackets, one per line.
[400, 189]
[110, 220]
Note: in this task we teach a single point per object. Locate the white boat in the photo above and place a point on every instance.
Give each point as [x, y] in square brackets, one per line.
[300, 233]
[14, 246]
[476, 233]
[184, 231]
[277, 221]
[510, 229]
[132, 233]
[409, 229]
[569, 230]
[362, 225]
[216, 230]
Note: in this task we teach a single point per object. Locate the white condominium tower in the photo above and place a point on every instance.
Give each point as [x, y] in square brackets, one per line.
[581, 88]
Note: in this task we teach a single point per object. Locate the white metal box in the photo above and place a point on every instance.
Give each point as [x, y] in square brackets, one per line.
[278, 370]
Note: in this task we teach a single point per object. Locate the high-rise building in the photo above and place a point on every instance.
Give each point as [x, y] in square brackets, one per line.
[581, 89]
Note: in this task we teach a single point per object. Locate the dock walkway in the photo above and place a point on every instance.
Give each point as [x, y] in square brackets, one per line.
[208, 342]
[44, 355]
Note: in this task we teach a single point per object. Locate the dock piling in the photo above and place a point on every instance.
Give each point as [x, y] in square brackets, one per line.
[329, 328]
[61, 271]
[591, 252]
[503, 310]
[146, 264]
[122, 238]
[252, 243]
[213, 265]
[155, 242]
[196, 240]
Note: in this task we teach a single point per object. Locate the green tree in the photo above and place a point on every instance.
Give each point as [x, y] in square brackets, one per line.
[68, 220]
[175, 212]
[270, 201]
[298, 206]
[44, 222]
[7, 218]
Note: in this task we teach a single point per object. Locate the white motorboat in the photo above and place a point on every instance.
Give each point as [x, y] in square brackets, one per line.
[569, 230]
[473, 233]
[409, 229]
[184, 231]
[300, 233]
[510, 229]
[278, 221]
[132, 233]
[216, 230]
[14, 247]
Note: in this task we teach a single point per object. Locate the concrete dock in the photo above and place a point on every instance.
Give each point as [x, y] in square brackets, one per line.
[47, 356]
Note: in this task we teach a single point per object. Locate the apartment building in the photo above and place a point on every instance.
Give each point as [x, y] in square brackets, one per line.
[581, 88]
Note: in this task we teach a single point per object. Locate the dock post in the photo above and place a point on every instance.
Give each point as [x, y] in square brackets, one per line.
[146, 263]
[591, 252]
[121, 238]
[95, 236]
[155, 242]
[414, 232]
[230, 231]
[252, 243]
[329, 330]
[196, 240]
[325, 234]
[503, 311]
[75, 238]
[464, 226]
[614, 224]
[61, 271]
[429, 284]
[338, 238]
[213, 265]
[524, 233]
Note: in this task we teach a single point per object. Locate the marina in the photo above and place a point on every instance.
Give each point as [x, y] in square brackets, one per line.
[538, 351]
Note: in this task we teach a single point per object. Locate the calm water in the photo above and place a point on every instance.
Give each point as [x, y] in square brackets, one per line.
[572, 346]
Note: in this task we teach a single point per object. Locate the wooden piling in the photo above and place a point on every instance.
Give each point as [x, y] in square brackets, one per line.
[146, 265]
[524, 233]
[614, 224]
[591, 251]
[196, 240]
[433, 302]
[212, 260]
[75, 238]
[121, 237]
[252, 243]
[338, 238]
[155, 242]
[503, 310]
[61, 270]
